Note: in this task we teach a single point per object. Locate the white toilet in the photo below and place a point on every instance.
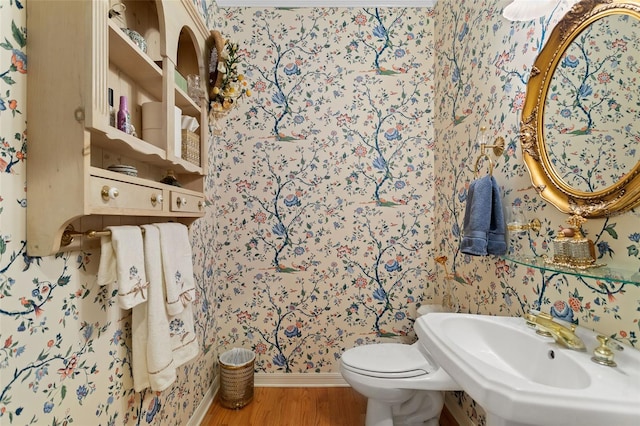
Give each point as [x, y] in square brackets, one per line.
[403, 384]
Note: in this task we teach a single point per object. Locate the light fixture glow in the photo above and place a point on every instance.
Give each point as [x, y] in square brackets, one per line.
[527, 10]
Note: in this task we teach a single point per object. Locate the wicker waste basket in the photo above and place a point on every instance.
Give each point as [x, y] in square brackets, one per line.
[236, 377]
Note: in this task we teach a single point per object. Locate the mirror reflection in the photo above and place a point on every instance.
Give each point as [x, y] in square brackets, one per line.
[592, 105]
[580, 120]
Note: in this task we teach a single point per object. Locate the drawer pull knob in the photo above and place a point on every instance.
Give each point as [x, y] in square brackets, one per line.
[181, 201]
[200, 205]
[156, 198]
[109, 193]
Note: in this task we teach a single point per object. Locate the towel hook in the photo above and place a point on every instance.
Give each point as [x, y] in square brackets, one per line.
[498, 149]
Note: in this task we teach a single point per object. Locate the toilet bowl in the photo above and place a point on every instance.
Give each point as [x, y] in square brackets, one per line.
[402, 383]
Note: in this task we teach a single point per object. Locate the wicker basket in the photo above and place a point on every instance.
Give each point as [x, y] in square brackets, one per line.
[191, 147]
[236, 378]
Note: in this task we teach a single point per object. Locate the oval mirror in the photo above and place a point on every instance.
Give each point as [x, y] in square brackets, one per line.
[580, 123]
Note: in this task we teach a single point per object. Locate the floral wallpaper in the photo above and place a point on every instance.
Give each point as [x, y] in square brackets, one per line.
[326, 203]
[65, 346]
[482, 68]
[331, 192]
[329, 223]
[491, 87]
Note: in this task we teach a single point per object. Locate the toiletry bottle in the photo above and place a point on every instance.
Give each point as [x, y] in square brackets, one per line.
[124, 119]
[170, 179]
[112, 110]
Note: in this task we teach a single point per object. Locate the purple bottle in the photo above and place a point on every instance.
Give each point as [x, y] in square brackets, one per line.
[124, 119]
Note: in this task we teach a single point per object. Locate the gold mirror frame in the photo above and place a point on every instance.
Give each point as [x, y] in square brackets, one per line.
[622, 195]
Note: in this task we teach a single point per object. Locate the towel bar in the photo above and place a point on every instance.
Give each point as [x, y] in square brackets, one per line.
[70, 233]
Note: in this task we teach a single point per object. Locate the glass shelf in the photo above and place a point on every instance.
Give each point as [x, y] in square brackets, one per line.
[604, 273]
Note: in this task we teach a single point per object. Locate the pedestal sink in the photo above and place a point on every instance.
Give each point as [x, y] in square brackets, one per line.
[522, 378]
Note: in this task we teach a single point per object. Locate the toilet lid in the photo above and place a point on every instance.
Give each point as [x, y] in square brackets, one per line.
[387, 360]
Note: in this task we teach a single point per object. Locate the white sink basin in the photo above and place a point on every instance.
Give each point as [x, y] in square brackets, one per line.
[522, 378]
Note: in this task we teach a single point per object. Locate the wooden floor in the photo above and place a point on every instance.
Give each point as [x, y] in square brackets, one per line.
[340, 406]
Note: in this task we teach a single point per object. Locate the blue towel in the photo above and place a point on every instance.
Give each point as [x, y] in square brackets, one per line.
[496, 241]
[484, 226]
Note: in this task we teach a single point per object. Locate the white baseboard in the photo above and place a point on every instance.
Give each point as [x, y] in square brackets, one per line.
[299, 380]
[206, 402]
[305, 380]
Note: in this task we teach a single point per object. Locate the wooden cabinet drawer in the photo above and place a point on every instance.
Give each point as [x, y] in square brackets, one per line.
[108, 196]
[188, 203]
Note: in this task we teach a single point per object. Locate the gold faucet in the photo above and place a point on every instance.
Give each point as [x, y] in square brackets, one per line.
[563, 336]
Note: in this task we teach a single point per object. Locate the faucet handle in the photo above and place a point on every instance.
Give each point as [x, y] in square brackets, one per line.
[532, 318]
[602, 354]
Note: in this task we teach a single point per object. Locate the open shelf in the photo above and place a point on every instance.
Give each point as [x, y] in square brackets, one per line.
[127, 57]
[130, 146]
[604, 273]
[186, 104]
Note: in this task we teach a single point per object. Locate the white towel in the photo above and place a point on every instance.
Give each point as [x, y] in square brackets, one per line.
[139, 342]
[177, 264]
[107, 267]
[153, 363]
[184, 342]
[122, 262]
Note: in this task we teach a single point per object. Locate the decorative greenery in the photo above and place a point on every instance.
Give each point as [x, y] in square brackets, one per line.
[234, 85]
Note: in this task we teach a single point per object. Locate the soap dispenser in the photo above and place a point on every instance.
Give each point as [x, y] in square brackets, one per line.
[561, 246]
[581, 250]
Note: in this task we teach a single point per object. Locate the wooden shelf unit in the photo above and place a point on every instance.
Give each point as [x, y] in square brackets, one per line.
[76, 54]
